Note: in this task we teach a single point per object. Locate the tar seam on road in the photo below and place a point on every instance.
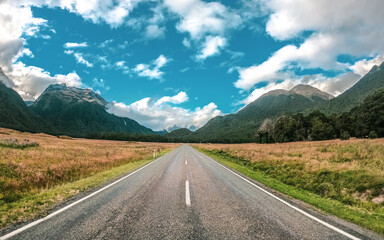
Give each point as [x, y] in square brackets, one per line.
[290, 205]
[187, 195]
[17, 231]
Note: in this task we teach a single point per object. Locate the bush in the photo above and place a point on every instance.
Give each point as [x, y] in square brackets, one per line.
[14, 143]
[345, 135]
[372, 135]
[64, 137]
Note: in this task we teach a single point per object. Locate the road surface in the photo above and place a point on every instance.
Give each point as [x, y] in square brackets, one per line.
[186, 195]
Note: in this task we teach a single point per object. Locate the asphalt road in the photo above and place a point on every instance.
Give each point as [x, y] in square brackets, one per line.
[187, 195]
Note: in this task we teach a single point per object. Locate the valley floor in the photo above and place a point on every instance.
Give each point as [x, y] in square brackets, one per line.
[343, 178]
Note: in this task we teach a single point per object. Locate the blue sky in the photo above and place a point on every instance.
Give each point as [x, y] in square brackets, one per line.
[181, 62]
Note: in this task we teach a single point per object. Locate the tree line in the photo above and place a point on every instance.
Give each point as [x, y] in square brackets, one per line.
[364, 121]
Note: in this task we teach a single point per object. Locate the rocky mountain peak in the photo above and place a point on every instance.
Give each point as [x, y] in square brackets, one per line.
[70, 94]
[303, 90]
[310, 92]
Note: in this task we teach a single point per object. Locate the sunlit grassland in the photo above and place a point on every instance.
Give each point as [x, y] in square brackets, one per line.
[344, 178]
[49, 170]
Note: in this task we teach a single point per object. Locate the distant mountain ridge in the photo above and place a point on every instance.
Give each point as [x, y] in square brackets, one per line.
[311, 92]
[74, 94]
[81, 112]
[242, 126]
[303, 90]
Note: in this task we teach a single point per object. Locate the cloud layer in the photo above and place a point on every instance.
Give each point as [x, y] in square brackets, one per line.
[337, 28]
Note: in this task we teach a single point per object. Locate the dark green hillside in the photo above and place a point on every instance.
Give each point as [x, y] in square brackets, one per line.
[15, 114]
[363, 121]
[367, 120]
[354, 96]
[242, 126]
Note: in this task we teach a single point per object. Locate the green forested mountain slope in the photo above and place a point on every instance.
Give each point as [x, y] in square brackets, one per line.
[242, 126]
[354, 96]
[80, 112]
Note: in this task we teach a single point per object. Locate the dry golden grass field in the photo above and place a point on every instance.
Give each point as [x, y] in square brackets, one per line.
[33, 168]
[358, 156]
[348, 173]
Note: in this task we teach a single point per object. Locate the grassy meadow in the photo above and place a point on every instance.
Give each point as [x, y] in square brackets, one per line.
[344, 178]
[38, 171]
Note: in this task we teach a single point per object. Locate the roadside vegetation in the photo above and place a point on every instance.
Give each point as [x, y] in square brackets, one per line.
[38, 171]
[343, 178]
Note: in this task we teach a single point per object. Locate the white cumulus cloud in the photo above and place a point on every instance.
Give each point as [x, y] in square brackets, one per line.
[112, 12]
[152, 70]
[201, 19]
[212, 46]
[17, 22]
[177, 99]
[159, 115]
[154, 31]
[75, 45]
[79, 58]
[362, 67]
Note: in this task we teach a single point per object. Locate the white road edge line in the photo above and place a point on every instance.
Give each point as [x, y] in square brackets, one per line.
[288, 204]
[17, 231]
[187, 195]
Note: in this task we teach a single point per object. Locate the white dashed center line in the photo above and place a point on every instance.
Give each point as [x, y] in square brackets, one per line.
[187, 196]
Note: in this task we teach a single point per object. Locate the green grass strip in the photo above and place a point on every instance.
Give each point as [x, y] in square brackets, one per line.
[362, 217]
[36, 204]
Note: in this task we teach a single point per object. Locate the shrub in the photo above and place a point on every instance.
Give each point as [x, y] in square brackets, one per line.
[372, 135]
[345, 135]
[64, 137]
[14, 143]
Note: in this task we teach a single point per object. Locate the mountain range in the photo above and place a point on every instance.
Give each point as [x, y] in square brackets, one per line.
[243, 125]
[81, 112]
[63, 110]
